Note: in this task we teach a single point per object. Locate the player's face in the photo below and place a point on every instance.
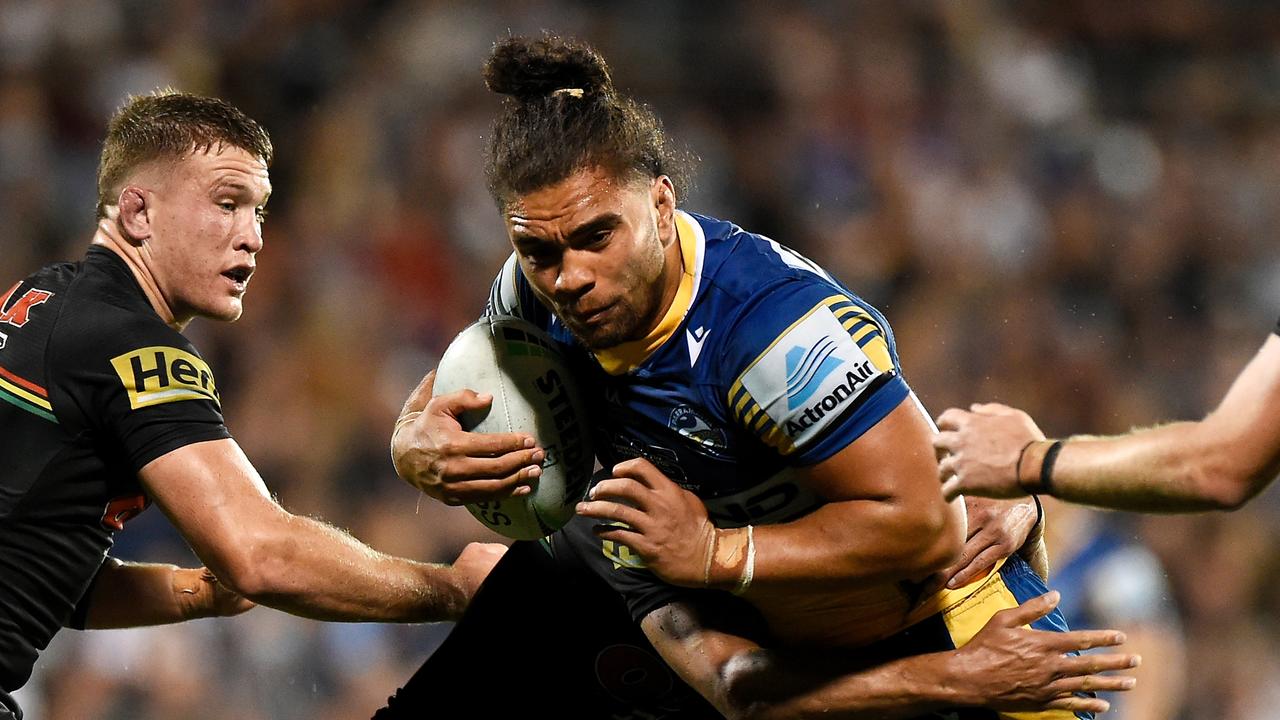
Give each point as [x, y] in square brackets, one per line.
[206, 228]
[595, 249]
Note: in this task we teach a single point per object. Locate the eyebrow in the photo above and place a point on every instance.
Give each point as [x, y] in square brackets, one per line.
[606, 221]
[238, 185]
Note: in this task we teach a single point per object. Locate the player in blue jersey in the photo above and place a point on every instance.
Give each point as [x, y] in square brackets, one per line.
[760, 438]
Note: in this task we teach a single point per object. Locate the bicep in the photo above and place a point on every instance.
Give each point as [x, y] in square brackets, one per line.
[213, 495]
[893, 460]
[1245, 428]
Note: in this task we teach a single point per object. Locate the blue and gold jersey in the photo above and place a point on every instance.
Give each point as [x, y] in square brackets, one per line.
[762, 363]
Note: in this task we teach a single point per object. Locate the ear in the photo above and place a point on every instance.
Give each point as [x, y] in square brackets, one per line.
[663, 194]
[135, 214]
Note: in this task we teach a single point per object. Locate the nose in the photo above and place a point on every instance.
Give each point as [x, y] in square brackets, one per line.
[576, 276]
[249, 238]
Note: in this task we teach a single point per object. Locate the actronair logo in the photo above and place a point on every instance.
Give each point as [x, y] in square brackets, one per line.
[855, 381]
[805, 380]
[807, 368]
[158, 375]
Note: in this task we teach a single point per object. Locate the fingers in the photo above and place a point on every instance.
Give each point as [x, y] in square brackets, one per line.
[527, 462]
[608, 511]
[976, 568]
[457, 403]
[945, 442]
[1080, 640]
[1028, 612]
[1080, 666]
[951, 489]
[1075, 703]
[471, 491]
[488, 445]
[421, 395]
[993, 408]
[952, 419]
[947, 468]
[641, 470]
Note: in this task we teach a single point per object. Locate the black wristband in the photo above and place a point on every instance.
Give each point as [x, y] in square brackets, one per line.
[1046, 467]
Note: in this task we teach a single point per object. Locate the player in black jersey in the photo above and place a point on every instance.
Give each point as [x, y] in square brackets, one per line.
[107, 408]
[1217, 463]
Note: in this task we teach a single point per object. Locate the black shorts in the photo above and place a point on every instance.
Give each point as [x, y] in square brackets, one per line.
[545, 639]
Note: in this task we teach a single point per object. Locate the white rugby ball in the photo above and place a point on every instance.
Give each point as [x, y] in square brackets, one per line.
[533, 392]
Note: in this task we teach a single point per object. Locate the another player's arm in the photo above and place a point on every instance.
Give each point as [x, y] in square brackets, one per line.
[218, 502]
[126, 594]
[1219, 462]
[1006, 666]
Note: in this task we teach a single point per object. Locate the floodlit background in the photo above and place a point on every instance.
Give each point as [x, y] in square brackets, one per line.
[1068, 205]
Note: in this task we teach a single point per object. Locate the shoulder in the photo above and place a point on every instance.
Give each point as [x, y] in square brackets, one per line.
[128, 348]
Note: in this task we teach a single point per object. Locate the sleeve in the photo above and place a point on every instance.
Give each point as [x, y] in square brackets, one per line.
[808, 368]
[139, 384]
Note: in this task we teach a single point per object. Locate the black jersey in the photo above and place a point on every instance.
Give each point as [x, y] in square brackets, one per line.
[94, 386]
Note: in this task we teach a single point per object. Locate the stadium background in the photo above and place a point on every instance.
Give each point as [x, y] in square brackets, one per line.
[1068, 205]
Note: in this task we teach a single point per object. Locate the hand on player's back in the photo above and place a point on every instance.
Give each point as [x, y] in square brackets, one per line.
[1011, 667]
[432, 452]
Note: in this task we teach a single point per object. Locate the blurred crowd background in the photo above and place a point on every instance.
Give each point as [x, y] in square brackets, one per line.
[1066, 205]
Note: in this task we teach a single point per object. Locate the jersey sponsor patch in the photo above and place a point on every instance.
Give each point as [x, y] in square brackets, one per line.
[811, 374]
[158, 374]
[18, 312]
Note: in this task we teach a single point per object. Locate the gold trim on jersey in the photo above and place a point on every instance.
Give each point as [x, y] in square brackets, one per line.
[967, 610]
[626, 357]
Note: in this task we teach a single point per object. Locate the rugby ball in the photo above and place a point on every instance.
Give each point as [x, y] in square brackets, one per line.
[533, 392]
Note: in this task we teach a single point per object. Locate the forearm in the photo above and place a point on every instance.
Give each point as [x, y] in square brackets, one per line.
[314, 570]
[765, 686]
[139, 594]
[1170, 468]
[858, 542]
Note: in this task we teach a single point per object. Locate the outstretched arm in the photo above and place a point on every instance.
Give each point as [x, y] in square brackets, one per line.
[1006, 666]
[218, 502]
[1219, 462]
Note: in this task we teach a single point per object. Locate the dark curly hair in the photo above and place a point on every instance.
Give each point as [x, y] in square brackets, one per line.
[171, 124]
[562, 114]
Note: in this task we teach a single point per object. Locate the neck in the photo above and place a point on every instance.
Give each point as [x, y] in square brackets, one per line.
[109, 236]
[672, 271]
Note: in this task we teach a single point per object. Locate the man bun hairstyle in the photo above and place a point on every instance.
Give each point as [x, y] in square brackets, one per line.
[169, 125]
[562, 113]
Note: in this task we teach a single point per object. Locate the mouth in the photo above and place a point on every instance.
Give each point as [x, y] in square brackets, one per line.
[590, 316]
[239, 276]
